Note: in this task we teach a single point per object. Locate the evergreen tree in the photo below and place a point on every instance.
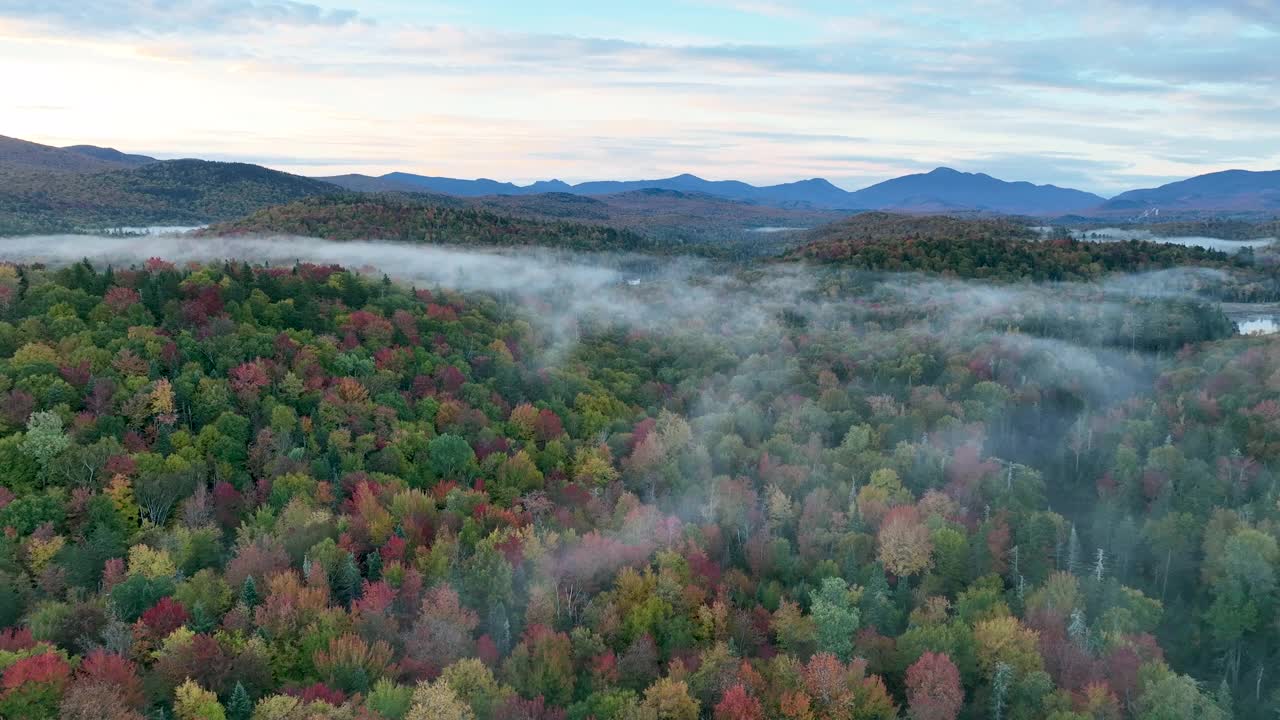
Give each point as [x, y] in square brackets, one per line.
[346, 580]
[373, 566]
[239, 706]
[249, 593]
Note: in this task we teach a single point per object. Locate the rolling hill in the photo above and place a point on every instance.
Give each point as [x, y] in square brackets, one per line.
[991, 249]
[18, 154]
[174, 192]
[111, 155]
[408, 219]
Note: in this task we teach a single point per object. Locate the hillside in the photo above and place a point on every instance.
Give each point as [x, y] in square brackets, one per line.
[22, 155]
[357, 217]
[111, 155]
[1227, 191]
[176, 192]
[984, 248]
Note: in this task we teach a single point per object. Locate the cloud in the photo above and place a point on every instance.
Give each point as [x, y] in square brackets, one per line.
[1085, 94]
[163, 17]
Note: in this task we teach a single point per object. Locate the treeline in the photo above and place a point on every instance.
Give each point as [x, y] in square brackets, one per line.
[363, 217]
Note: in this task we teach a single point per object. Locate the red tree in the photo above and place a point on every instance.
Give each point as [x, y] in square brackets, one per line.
[165, 617]
[933, 688]
[109, 668]
[737, 704]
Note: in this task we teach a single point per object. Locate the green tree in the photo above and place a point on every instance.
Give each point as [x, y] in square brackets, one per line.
[834, 616]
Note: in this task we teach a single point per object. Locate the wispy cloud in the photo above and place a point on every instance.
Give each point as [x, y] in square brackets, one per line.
[1091, 94]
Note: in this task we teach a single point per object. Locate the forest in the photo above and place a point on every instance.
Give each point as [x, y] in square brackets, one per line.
[175, 192]
[266, 491]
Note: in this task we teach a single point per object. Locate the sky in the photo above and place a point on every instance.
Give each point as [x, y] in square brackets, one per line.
[1102, 95]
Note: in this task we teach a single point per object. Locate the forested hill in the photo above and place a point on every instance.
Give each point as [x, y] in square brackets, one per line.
[176, 192]
[985, 248]
[364, 217]
[294, 492]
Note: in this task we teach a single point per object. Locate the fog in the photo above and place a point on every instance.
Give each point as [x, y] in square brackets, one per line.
[1209, 243]
[563, 292]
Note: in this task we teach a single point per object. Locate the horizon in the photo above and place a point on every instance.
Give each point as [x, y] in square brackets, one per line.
[755, 91]
[692, 175]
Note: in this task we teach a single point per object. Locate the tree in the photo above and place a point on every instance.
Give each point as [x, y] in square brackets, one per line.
[239, 706]
[834, 616]
[1003, 640]
[192, 702]
[474, 684]
[1166, 695]
[904, 543]
[451, 457]
[346, 580]
[437, 701]
[95, 701]
[442, 633]
[45, 440]
[738, 704]
[32, 687]
[542, 664]
[249, 593]
[933, 688]
[669, 699]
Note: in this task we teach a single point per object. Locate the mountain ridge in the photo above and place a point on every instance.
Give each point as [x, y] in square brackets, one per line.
[941, 190]
[942, 187]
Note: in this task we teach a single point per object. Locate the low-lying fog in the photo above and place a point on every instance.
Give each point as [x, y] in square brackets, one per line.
[746, 314]
[1118, 234]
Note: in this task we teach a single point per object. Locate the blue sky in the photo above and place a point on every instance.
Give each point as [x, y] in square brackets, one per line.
[1103, 95]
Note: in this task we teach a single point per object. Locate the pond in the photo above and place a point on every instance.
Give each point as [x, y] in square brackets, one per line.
[1259, 325]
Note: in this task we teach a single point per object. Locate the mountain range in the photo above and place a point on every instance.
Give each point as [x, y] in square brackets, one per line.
[943, 190]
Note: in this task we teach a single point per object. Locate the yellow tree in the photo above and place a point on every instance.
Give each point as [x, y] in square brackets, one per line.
[905, 547]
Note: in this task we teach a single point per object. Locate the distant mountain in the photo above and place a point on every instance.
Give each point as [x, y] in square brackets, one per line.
[111, 155]
[174, 192]
[941, 190]
[1227, 191]
[18, 154]
[945, 189]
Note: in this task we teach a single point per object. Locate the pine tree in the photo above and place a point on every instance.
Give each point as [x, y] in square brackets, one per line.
[249, 593]
[346, 580]
[239, 706]
[373, 566]
[201, 620]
